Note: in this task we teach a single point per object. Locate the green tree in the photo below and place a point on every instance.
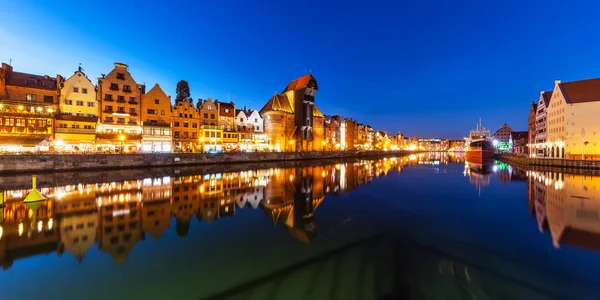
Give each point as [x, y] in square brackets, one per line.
[183, 91]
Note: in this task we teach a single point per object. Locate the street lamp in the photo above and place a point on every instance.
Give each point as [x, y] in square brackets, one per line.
[291, 145]
[121, 138]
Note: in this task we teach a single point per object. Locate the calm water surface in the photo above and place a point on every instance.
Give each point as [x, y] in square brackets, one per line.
[420, 227]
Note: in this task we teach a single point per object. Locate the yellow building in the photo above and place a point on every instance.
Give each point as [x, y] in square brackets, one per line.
[573, 126]
[77, 115]
[211, 138]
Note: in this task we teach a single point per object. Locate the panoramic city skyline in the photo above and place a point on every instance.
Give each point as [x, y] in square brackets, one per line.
[389, 66]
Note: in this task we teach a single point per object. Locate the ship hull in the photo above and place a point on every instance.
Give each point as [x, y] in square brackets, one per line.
[479, 153]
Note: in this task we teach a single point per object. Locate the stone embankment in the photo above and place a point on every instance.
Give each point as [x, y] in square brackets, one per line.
[83, 162]
[554, 163]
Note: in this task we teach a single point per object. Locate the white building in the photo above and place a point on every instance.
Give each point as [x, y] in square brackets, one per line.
[251, 126]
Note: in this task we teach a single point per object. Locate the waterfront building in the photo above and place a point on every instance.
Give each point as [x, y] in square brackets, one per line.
[227, 122]
[363, 137]
[573, 124]
[211, 133]
[382, 140]
[119, 96]
[531, 130]
[156, 121]
[292, 120]
[518, 141]
[185, 122]
[502, 137]
[351, 134]
[430, 144]
[77, 115]
[456, 145]
[541, 120]
[27, 106]
[330, 125]
[250, 126]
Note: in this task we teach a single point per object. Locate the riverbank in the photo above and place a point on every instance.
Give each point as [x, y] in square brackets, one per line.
[84, 162]
[551, 163]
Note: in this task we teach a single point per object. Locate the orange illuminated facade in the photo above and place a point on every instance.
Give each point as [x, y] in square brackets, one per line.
[185, 125]
[156, 121]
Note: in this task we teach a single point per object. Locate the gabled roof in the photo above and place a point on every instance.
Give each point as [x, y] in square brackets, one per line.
[299, 83]
[534, 106]
[278, 103]
[156, 89]
[546, 96]
[581, 91]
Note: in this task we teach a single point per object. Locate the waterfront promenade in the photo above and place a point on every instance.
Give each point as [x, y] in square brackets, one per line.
[551, 162]
[80, 162]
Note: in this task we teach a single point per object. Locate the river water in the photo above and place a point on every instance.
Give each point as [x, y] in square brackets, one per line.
[427, 226]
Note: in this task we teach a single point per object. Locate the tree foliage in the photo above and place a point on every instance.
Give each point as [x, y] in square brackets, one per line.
[183, 91]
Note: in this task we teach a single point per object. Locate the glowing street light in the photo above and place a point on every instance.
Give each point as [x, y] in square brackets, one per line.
[121, 138]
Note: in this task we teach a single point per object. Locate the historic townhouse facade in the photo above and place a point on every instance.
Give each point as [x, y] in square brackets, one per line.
[227, 123]
[156, 121]
[211, 133]
[185, 124]
[120, 97]
[77, 115]
[292, 120]
[250, 126]
[541, 121]
[27, 106]
[531, 129]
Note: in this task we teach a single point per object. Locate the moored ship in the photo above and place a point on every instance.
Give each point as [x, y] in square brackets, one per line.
[479, 145]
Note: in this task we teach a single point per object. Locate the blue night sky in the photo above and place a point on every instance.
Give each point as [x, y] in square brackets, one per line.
[426, 68]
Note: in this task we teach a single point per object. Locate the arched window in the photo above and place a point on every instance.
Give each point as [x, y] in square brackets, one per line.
[563, 152]
[185, 115]
[180, 115]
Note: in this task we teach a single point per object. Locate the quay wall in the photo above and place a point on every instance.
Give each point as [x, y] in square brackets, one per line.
[82, 162]
[550, 162]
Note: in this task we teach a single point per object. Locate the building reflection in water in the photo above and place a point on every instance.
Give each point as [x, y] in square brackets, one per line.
[118, 215]
[568, 206]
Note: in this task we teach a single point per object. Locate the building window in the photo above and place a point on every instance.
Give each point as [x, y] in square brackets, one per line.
[121, 109]
[108, 97]
[151, 111]
[162, 112]
[79, 103]
[257, 127]
[121, 98]
[132, 100]
[194, 125]
[108, 119]
[206, 116]
[156, 101]
[91, 104]
[176, 134]
[185, 134]
[75, 90]
[30, 82]
[31, 97]
[121, 76]
[212, 116]
[49, 99]
[114, 86]
[186, 124]
[132, 111]
[108, 108]
[84, 90]
[218, 134]
[121, 120]
[75, 126]
[127, 88]
[62, 125]
[48, 84]
[242, 120]
[227, 110]
[206, 134]
[68, 102]
[133, 120]
[255, 120]
[194, 134]
[88, 126]
[175, 124]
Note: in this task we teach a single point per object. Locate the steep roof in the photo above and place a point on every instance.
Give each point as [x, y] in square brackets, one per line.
[299, 83]
[278, 103]
[546, 96]
[581, 91]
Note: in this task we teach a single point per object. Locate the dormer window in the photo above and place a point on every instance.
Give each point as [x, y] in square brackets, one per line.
[30, 82]
[227, 110]
[121, 76]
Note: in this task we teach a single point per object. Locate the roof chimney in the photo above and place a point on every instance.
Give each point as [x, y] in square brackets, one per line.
[557, 81]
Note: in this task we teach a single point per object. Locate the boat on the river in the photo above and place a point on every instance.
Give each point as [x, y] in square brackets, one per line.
[479, 143]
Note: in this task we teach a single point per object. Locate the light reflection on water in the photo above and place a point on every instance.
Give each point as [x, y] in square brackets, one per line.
[405, 227]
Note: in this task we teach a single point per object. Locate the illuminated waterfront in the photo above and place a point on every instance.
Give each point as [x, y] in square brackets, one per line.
[422, 225]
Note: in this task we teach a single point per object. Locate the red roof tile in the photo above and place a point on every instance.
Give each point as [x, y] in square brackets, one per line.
[299, 83]
[581, 91]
